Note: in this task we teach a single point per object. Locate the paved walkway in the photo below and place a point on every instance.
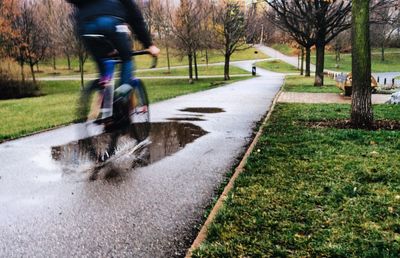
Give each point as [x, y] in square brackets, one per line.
[152, 211]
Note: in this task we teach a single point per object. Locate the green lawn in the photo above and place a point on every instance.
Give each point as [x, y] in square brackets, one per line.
[143, 62]
[306, 84]
[58, 105]
[391, 64]
[314, 192]
[277, 66]
[202, 70]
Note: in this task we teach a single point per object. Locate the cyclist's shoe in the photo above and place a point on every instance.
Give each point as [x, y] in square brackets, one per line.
[141, 109]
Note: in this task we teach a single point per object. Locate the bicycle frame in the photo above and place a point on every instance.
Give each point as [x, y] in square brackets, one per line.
[103, 102]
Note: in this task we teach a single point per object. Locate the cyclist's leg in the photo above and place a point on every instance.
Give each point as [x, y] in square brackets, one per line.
[101, 26]
[122, 40]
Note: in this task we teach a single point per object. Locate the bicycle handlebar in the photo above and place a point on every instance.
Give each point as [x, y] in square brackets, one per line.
[146, 52]
[140, 53]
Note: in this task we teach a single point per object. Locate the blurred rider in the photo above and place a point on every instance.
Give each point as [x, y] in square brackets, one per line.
[112, 20]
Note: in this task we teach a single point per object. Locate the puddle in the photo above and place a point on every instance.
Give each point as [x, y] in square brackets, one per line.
[185, 119]
[208, 110]
[165, 140]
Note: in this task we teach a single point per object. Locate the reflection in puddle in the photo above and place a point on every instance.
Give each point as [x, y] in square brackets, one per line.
[203, 110]
[165, 139]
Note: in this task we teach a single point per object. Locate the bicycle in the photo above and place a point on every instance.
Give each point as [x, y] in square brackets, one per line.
[129, 124]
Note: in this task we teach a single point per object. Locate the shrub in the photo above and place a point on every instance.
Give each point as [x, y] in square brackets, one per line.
[12, 89]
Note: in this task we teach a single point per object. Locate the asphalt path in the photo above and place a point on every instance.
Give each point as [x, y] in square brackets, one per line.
[150, 211]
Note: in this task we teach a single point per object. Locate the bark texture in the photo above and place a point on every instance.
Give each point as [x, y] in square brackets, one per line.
[361, 111]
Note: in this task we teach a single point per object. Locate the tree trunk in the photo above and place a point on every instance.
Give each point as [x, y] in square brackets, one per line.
[302, 62]
[207, 58]
[21, 64]
[383, 52]
[168, 58]
[298, 60]
[319, 70]
[226, 67]
[54, 62]
[69, 62]
[190, 57]
[337, 57]
[196, 71]
[361, 110]
[308, 61]
[81, 71]
[32, 67]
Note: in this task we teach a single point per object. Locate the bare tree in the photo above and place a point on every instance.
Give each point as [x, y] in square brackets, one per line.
[83, 55]
[385, 22]
[149, 15]
[259, 28]
[205, 40]
[315, 21]
[331, 19]
[162, 23]
[51, 14]
[66, 32]
[32, 42]
[185, 29]
[342, 43]
[291, 17]
[230, 28]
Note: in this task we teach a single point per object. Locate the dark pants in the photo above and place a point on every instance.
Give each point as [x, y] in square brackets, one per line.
[116, 36]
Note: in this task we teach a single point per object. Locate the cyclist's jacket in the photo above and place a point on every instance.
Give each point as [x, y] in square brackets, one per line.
[124, 9]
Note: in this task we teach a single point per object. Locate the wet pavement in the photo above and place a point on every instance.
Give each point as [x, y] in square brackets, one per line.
[152, 210]
[77, 158]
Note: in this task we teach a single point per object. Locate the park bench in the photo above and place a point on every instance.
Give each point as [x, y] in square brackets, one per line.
[344, 82]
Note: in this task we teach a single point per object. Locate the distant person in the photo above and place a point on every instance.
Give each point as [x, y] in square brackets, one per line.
[111, 18]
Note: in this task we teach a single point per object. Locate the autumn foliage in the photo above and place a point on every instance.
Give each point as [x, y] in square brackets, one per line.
[8, 33]
[12, 45]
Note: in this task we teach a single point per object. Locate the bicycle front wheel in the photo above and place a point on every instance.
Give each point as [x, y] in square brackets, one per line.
[139, 112]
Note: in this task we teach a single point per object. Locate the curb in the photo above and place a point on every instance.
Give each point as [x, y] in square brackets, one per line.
[239, 169]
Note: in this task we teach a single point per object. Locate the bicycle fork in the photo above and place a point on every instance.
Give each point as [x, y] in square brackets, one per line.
[107, 94]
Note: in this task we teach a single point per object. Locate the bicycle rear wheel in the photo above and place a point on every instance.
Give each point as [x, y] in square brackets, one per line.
[102, 143]
[139, 112]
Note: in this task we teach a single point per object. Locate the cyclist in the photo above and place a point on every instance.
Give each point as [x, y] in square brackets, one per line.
[110, 18]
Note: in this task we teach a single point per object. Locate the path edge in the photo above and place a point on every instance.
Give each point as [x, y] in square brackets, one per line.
[201, 236]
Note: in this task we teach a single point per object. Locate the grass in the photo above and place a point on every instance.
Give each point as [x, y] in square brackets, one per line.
[306, 84]
[314, 192]
[159, 89]
[58, 105]
[277, 66]
[202, 70]
[391, 64]
[143, 62]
